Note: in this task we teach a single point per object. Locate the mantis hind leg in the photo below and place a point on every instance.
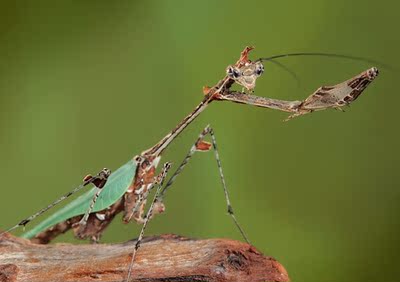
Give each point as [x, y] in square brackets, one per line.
[159, 180]
[201, 145]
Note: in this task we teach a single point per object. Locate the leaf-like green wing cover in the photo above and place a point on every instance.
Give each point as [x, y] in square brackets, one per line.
[116, 186]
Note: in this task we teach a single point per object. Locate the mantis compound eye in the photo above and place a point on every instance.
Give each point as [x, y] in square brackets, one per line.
[259, 69]
[232, 72]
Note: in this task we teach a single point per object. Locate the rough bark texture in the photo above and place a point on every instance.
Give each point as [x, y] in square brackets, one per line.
[164, 258]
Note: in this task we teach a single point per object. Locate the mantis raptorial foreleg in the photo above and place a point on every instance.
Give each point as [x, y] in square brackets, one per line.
[201, 145]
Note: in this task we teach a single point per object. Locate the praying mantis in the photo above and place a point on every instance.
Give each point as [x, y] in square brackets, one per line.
[127, 189]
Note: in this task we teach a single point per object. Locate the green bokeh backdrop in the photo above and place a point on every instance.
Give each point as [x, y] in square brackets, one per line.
[86, 85]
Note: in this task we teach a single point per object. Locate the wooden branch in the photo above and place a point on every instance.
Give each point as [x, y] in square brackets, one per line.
[167, 258]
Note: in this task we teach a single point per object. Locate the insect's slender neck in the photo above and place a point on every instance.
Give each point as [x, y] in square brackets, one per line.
[223, 85]
[157, 149]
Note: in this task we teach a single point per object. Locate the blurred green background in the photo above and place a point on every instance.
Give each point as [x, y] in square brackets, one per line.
[86, 85]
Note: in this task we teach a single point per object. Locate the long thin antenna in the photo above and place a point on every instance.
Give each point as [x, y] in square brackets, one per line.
[288, 70]
[332, 55]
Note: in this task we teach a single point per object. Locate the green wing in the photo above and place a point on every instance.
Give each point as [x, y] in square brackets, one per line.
[116, 186]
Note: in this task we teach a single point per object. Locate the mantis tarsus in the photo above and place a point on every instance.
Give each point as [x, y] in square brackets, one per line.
[126, 190]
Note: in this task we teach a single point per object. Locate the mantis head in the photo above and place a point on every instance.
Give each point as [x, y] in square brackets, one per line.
[247, 74]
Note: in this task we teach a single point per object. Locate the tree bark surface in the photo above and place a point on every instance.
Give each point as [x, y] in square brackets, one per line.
[167, 258]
